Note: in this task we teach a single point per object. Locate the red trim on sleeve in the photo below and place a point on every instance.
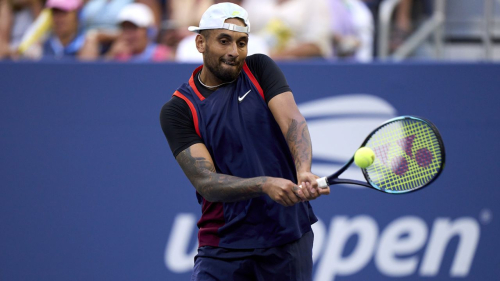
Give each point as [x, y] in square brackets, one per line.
[254, 81]
[193, 86]
[193, 111]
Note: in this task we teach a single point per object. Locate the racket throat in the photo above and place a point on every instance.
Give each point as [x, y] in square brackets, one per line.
[324, 182]
[347, 181]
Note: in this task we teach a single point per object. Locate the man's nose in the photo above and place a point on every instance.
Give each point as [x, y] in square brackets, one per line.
[233, 51]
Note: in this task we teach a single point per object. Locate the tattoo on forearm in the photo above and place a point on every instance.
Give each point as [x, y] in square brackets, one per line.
[217, 187]
[299, 142]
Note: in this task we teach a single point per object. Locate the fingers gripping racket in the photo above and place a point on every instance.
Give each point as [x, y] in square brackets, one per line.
[409, 155]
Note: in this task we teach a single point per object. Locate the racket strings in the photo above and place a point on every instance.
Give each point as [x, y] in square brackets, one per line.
[408, 155]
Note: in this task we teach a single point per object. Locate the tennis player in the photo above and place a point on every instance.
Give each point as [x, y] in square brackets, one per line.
[239, 137]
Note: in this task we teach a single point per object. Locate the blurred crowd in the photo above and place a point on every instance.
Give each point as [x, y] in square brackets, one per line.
[156, 30]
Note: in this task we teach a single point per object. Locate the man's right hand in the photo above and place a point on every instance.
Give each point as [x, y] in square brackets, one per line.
[283, 191]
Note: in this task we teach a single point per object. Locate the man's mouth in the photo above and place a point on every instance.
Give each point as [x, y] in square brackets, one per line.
[232, 63]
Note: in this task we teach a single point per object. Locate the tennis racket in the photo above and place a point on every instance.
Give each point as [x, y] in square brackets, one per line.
[409, 155]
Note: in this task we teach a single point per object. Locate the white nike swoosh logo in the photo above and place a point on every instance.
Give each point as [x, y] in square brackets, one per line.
[240, 99]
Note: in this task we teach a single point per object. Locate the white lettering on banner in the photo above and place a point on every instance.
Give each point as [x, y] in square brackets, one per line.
[467, 229]
[341, 229]
[177, 258]
[391, 248]
[403, 236]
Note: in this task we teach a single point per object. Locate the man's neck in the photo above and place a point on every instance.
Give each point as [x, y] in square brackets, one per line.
[208, 78]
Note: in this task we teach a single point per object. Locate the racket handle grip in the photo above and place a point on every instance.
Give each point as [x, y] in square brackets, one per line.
[322, 182]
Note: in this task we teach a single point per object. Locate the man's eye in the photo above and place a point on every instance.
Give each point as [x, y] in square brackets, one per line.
[223, 41]
[243, 44]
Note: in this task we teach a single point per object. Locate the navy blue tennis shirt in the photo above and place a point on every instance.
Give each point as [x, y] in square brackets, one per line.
[244, 140]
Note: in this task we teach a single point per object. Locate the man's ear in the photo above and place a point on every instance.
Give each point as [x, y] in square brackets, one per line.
[201, 42]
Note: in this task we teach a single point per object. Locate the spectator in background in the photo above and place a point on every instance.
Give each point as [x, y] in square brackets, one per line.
[99, 21]
[15, 18]
[352, 28]
[67, 39]
[293, 28]
[181, 14]
[402, 24]
[408, 15]
[136, 40]
[188, 12]
[102, 15]
[188, 53]
[155, 6]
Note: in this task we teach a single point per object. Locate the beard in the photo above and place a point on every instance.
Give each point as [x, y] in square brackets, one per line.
[215, 65]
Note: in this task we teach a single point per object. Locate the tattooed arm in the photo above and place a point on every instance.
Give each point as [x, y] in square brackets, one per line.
[294, 128]
[198, 166]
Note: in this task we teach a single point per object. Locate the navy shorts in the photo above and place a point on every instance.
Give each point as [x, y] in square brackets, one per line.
[292, 261]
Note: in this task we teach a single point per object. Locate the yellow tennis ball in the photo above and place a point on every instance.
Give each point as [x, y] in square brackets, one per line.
[364, 157]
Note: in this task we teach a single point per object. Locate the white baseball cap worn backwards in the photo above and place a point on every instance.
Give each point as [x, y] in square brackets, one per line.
[215, 15]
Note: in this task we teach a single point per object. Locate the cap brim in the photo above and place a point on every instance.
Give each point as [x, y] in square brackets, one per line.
[194, 29]
[228, 26]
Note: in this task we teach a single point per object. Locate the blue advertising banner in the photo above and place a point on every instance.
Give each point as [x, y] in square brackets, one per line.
[89, 189]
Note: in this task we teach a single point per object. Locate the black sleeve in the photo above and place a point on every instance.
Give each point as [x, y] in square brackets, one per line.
[268, 74]
[177, 125]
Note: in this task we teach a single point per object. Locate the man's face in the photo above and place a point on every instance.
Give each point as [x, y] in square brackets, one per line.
[65, 22]
[225, 52]
[136, 38]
